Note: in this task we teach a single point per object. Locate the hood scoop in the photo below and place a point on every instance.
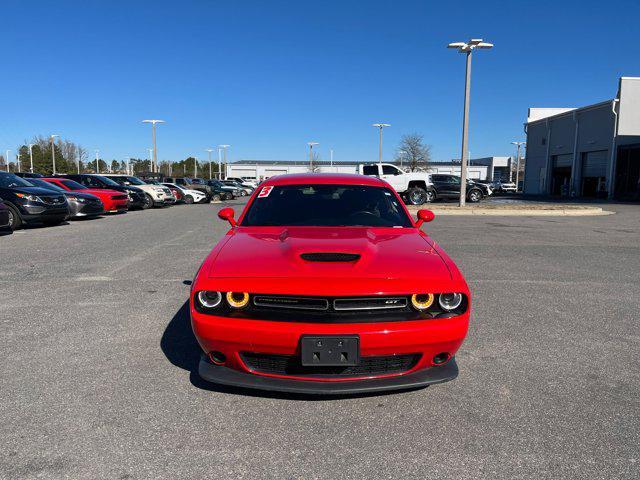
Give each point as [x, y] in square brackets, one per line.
[330, 257]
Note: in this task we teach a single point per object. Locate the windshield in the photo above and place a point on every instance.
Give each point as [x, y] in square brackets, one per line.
[133, 180]
[42, 184]
[73, 185]
[108, 181]
[327, 206]
[10, 180]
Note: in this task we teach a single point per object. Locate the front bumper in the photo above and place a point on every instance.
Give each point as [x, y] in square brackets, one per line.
[421, 378]
[234, 337]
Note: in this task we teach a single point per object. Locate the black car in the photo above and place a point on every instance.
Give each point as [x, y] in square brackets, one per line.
[80, 204]
[218, 188]
[192, 184]
[28, 204]
[448, 186]
[29, 175]
[5, 224]
[137, 198]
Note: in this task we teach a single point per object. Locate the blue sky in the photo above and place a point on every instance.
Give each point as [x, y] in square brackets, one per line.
[269, 76]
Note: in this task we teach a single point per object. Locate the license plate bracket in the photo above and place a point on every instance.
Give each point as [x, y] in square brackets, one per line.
[329, 350]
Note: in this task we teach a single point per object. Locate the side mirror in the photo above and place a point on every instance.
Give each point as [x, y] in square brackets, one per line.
[423, 216]
[227, 214]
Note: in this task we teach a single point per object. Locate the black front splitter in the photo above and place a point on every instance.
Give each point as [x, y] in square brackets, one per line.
[227, 376]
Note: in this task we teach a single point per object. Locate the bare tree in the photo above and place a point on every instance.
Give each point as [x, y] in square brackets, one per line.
[82, 157]
[413, 152]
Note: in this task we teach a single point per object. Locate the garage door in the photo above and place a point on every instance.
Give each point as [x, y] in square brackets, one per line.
[563, 160]
[594, 164]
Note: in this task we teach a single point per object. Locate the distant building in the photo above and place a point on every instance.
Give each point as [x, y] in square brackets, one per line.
[488, 168]
[592, 151]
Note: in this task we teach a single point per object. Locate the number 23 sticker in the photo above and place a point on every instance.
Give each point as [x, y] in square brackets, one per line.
[265, 192]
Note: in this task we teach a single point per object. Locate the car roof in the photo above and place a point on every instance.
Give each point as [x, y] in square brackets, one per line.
[324, 179]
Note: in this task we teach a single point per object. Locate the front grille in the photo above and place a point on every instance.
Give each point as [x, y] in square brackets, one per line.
[290, 365]
[293, 303]
[373, 303]
[58, 200]
[330, 257]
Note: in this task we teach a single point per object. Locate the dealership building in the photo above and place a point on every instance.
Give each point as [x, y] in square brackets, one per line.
[488, 168]
[592, 151]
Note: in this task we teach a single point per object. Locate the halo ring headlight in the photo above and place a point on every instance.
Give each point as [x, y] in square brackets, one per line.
[209, 299]
[450, 301]
[237, 299]
[422, 301]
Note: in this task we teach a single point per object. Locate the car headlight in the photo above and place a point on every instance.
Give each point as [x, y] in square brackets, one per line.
[237, 299]
[71, 198]
[29, 197]
[209, 299]
[422, 301]
[450, 301]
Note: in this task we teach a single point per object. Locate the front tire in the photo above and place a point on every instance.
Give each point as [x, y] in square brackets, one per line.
[148, 202]
[431, 196]
[417, 196]
[188, 200]
[15, 220]
[215, 198]
[475, 196]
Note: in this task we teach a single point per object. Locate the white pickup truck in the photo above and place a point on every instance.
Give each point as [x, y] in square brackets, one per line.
[415, 188]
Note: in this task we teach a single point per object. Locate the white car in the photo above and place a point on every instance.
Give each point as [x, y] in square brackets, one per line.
[190, 196]
[244, 182]
[155, 195]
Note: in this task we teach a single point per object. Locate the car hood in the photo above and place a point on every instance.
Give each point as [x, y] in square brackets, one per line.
[99, 191]
[36, 191]
[385, 253]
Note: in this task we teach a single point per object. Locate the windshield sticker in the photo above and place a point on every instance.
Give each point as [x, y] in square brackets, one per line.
[265, 192]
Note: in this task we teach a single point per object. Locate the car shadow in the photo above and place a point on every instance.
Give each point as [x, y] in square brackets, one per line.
[180, 347]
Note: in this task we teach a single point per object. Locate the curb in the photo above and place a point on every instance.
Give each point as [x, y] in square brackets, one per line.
[521, 212]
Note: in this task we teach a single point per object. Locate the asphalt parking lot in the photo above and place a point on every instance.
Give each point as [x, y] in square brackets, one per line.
[98, 362]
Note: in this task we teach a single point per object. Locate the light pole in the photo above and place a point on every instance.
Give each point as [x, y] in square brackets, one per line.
[311, 144]
[219, 163]
[401, 154]
[18, 161]
[31, 155]
[380, 126]
[97, 161]
[466, 48]
[209, 150]
[53, 152]
[6, 156]
[331, 159]
[224, 147]
[195, 167]
[518, 145]
[154, 161]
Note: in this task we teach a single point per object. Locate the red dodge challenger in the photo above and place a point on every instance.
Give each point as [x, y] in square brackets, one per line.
[325, 285]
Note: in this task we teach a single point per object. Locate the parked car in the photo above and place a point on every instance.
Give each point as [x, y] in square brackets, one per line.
[244, 182]
[486, 187]
[243, 190]
[342, 292]
[189, 196]
[155, 195]
[448, 187]
[224, 190]
[28, 175]
[192, 184]
[5, 223]
[113, 201]
[414, 187]
[28, 204]
[80, 204]
[505, 187]
[136, 197]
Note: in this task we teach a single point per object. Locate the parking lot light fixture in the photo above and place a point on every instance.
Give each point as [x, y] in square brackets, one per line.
[518, 145]
[6, 157]
[209, 150]
[311, 144]
[467, 48]
[31, 155]
[226, 165]
[154, 160]
[53, 152]
[380, 126]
